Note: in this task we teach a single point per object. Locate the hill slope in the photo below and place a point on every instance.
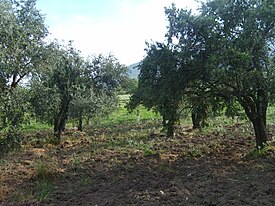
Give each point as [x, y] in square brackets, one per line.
[133, 71]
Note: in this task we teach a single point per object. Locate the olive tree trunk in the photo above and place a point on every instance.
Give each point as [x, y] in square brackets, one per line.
[260, 132]
[256, 109]
[60, 120]
[196, 121]
[80, 122]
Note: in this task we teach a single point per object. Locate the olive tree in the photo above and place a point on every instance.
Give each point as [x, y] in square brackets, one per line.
[70, 86]
[53, 88]
[158, 85]
[22, 34]
[97, 93]
[233, 42]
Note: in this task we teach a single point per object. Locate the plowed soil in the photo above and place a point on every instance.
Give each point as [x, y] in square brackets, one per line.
[140, 166]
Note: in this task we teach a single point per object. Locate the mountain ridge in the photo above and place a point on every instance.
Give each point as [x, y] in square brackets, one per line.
[133, 70]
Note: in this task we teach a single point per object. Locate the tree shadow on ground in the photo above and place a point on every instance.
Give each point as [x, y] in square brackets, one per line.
[220, 176]
[189, 169]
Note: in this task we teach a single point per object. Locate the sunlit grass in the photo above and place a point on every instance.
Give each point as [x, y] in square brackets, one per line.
[122, 116]
[44, 170]
[256, 153]
[35, 126]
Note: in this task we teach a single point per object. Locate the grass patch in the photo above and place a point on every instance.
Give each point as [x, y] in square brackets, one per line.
[194, 151]
[34, 126]
[44, 188]
[86, 181]
[259, 153]
[130, 144]
[44, 170]
[20, 197]
[123, 116]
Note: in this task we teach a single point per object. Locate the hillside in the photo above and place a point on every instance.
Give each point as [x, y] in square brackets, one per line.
[133, 71]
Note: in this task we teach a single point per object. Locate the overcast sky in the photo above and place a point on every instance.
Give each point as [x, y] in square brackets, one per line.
[120, 27]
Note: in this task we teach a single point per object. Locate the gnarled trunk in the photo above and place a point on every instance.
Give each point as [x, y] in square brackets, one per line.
[170, 128]
[60, 120]
[260, 132]
[196, 120]
[169, 121]
[80, 123]
[256, 109]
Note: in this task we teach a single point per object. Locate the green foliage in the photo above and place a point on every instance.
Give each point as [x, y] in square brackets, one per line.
[211, 61]
[13, 106]
[22, 32]
[242, 60]
[129, 86]
[10, 140]
[75, 88]
[97, 93]
[158, 86]
[59, 80]
[220, 60]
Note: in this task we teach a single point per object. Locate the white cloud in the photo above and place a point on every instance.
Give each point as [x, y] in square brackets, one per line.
[123, 34]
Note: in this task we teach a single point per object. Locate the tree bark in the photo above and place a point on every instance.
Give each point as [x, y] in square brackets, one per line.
[168, 124]
[60, 121]
[172, 120]
[170, 128]
[260, 132]
[195, 120]
[60, 125]
[80, 123]
[256, 113]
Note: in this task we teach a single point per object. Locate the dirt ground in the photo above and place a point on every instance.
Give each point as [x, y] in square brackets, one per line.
[98, 168]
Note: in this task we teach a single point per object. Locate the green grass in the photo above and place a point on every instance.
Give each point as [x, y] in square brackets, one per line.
[44, 170]
[44, 190]
[271, 115]
[129, 143]
[257, 153]
[34, 126]
[121, 120]
[124, 97]
[121, 115]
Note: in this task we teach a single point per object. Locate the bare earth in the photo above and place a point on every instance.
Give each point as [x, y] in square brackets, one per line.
[100, 167]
